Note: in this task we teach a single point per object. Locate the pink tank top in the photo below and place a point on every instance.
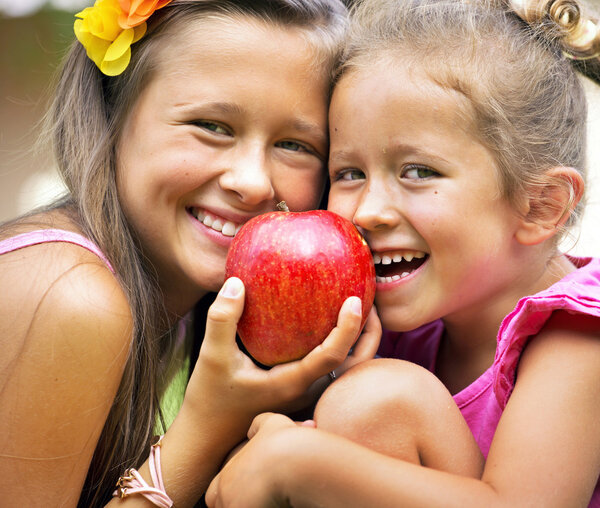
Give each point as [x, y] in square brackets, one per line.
[51, 235]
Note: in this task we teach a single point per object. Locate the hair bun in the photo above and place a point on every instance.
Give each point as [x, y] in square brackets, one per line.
[579, 34]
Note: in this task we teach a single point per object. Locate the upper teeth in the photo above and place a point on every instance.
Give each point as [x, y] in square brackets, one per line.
[397, 257]
[226, 227]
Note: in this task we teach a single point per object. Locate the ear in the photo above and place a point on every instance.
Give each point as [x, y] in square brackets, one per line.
[550, 205]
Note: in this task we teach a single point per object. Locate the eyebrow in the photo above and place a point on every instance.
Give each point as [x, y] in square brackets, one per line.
[221, 107]
[340, 155]
[395, 148]
[311, 129]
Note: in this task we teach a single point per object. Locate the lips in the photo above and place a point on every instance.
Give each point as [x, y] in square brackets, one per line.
[216, 223]
[395, 265]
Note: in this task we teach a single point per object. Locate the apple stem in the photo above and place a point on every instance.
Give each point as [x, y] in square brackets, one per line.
[282, 206]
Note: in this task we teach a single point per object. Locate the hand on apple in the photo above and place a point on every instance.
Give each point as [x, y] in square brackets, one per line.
[227, 387]
[364, 349]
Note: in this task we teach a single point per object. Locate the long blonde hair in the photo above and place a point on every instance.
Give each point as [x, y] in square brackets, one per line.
[514, 61]
[84, 122]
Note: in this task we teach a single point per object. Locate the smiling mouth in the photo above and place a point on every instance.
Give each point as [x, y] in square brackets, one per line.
[391, 266]
[225, 227]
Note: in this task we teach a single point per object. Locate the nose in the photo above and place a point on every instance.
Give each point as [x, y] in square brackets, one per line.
[376, 209]
[247, 175]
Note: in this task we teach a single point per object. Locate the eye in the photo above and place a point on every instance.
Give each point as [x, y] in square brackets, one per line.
[293, 146]
[415, 172]
[212, 126]
[349, 174]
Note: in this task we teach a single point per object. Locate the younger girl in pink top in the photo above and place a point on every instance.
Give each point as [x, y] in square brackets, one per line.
[458, 149]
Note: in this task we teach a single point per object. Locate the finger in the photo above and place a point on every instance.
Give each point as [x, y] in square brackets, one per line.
[268, 422]
[334, 349]
[308, 423]
[368, 343]
[210, 497]
[224, 314]
[234, 452]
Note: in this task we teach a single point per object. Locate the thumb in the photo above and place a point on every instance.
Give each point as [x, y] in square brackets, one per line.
[225, 312]
[268, 422]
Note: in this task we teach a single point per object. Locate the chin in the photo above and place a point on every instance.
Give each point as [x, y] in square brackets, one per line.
[394, 321]
[206, 283]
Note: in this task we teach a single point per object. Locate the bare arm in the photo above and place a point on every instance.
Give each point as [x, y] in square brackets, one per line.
[546, 451]
[66, 337]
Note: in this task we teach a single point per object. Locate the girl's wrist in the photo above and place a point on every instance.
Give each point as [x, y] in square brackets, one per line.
[192, 452]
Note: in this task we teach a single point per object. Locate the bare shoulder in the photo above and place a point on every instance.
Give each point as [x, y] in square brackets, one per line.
[60, 303]
[550, 422]
[566, 336]
[65, 332]
[59, 285]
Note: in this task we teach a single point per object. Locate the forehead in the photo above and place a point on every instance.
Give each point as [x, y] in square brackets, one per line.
[400, 88]
[241, 57]
[225, 36]
[383, 111]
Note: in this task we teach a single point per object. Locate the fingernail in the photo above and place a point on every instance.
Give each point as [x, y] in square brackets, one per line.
[356, 306]
[232, 288]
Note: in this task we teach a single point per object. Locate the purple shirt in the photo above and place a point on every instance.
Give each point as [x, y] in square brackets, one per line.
[482, 402]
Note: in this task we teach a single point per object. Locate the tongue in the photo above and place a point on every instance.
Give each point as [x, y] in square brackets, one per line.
[398, 268]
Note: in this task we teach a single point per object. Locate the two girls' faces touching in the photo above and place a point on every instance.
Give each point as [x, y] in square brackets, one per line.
[224, 131]
[239, 122]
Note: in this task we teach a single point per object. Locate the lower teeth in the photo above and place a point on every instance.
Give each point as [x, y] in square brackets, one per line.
[392, 278]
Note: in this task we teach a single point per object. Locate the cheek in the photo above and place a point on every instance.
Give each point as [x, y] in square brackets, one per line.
[301, 190]
[342, 205]
[433, 215]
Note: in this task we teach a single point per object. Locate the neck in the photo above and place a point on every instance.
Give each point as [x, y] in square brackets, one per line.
[469, 344]
[179, 302]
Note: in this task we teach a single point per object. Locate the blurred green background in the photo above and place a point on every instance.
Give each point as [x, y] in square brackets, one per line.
[34, 35]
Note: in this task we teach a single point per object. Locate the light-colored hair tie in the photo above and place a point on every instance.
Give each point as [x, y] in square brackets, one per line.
[580, 35]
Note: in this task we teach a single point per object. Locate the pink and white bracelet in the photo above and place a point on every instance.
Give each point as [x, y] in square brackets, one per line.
[132, 482]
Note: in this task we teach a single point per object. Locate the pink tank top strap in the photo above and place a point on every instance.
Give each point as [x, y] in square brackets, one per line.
[51, 235]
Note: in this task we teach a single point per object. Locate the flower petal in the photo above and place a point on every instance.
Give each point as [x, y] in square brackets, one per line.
[135, 12]
[120, 45]
[138, 32]
[116, 67]
[94, 47]
[108, 29]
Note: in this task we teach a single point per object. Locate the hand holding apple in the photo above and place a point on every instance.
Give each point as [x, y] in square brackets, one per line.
[298, 268]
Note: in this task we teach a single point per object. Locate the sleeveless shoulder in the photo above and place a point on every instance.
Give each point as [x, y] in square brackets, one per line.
[51, 235]
[66, 330]
[578, 293]
[66, 285]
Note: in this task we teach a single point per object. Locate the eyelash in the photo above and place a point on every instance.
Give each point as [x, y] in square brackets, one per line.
[212, 127]
[215, 127]
[301, 147]
[339, 175]
[417, 167]
[405, 170]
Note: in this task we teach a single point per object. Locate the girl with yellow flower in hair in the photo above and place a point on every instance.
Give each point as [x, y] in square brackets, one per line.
[174, 123]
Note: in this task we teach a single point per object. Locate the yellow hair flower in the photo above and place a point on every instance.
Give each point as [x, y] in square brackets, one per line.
[109, 28]
[136, 12]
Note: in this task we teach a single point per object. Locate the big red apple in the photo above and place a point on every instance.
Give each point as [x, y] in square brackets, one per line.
[298, 268]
